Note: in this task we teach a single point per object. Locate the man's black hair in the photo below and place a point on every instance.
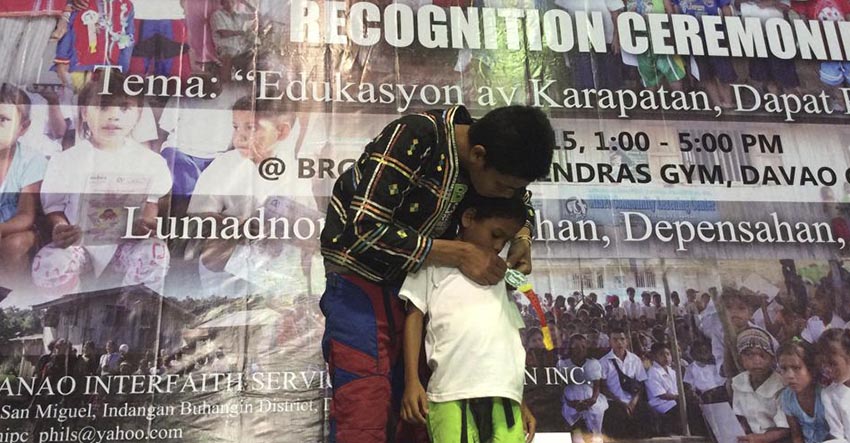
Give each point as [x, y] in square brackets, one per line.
[485, 207]
[618, 330]
[519, 141]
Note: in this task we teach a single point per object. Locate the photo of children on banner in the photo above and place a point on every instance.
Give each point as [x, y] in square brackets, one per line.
[231, 186]
[21, 174]
[86, 205]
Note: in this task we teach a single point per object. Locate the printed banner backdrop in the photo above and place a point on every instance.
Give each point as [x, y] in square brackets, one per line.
[700, 187]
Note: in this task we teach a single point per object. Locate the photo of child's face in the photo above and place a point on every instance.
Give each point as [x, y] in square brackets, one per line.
[701, 352]
[663, 357]
[837, 363]
[578, 348]
[739, 313]
[111, 125]
[254, 137]
[618, 342]
[490, 233]
[10, 125]
[822, 306]
[794, 372]
[757, 362]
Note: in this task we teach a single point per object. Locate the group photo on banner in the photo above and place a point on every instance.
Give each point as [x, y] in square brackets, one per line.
[449, 221]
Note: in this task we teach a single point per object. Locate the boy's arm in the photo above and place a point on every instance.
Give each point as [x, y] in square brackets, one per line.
[25, 216]
[414, 403]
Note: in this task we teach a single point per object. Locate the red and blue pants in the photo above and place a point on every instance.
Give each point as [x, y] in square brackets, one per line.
[364, 325]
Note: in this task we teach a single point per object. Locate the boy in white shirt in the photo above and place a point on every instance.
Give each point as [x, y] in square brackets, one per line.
[472, 342]
[662, 389]
[104, 157]
[823, 318]
[631, 306]
[755, 398]
[231, 186]
[624, 375]
[582, 401]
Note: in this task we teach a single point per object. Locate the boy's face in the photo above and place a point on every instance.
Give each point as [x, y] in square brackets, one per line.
[110, 125]
[757, 362]
[578, 348]
[822, 306]
[837, 363]
[487, 181]
[11, 126]
[254, 136]
[490, 233]
[739, 313]
[535, 341]
[701, 352]
[617, 341]
[663, 357]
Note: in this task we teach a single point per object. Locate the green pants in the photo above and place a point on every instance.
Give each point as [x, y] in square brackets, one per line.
[445, 423]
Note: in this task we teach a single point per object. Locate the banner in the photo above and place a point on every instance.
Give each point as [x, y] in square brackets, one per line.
[167, 168]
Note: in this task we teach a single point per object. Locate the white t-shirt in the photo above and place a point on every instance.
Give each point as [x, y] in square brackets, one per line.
[632, 309]
[648, 312]
[836, 406]
[632, 367]
[232, 185]
[592, 371]
[603, 6]
[68, 173]
[472, 340]
[703, 377]
[158, 10]
[815, 327]
[661, 380]
[759, 406]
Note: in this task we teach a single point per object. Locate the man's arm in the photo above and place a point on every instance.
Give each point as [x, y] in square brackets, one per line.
[382, 179]
[519, 253]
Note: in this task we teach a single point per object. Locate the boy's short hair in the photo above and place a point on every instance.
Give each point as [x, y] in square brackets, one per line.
[10, 95]
[617, 330]
[90, 94]
[658, 347]
[519, 141]
[485, 207]
[265, 109]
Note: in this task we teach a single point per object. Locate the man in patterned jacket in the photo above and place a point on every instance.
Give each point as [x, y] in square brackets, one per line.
[391, 213]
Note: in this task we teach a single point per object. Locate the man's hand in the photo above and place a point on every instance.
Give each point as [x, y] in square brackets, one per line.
[414, 404]
[66, 235]
[529, 423]
[519, 255]
[483, 266]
